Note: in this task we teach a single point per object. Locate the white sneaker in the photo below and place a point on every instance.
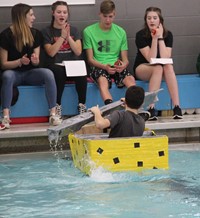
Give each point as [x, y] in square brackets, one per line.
[55, 120]
[6, 122]
[82, 108]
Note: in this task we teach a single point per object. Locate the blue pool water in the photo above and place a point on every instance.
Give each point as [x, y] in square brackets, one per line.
[44, 185]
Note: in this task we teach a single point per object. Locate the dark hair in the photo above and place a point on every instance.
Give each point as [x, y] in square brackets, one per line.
[107, 6]
[55, 5]
[134, 97]
[159, 12]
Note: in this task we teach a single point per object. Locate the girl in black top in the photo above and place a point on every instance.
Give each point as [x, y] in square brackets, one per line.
[62, 42]
[19, 55]
[155, 41]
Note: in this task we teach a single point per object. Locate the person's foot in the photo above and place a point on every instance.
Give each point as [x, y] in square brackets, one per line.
[55, 120]
[177, 113]
[6, 122]
[145, 115]
[153, 116]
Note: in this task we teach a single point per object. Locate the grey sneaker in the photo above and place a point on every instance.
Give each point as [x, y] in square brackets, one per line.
[6, 122]
[82, 108]
[55, 120]
[59, 110]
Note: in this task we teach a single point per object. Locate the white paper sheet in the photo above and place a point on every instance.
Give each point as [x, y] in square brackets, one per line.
[161, 61]
[75, 68]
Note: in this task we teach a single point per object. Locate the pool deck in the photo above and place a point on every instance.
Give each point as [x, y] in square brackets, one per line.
[35, 134]
[40, 129]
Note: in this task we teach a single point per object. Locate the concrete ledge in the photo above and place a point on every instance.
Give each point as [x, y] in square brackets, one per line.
[33, 137]
[188, 121]
[25, 130]
[40, 129]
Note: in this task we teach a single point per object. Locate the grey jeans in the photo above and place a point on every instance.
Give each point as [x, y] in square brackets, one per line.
[35, 76]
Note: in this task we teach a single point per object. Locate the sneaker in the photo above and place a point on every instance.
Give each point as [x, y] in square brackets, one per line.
[6, 122]
[145, 115]
[2, 127]
[55, 120]
[82, 108]
[177, 113]
[153, 116]
[59, 110]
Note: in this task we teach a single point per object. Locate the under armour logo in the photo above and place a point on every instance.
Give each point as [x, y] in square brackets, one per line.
[104, 46]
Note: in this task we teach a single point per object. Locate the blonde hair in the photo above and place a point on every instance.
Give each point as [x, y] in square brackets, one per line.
[21, 31]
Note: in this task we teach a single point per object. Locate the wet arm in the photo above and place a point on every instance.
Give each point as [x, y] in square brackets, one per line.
[100, 121]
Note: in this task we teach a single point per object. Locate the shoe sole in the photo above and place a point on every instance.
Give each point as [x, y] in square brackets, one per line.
[145, 115]
[153, 118]
[176, 117]
[55, 123]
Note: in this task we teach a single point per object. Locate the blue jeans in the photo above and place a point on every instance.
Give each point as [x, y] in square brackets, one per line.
[35, 76]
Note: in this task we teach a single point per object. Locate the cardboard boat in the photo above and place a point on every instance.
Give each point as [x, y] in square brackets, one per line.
[91, 151]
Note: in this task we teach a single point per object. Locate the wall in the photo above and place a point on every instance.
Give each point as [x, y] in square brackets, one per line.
[182, 17]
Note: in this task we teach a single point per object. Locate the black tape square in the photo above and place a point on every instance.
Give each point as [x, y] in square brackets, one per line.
[140, 163]
[100, 150]
[116, 160]
[161, 153]
[136, 145]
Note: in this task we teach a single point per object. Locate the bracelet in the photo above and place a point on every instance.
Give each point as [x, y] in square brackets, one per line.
[63, 37]
[160, 39]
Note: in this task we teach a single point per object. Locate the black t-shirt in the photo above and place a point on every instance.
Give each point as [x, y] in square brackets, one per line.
[7, 42]
[65, 52]
[125, 124]
[142, 41]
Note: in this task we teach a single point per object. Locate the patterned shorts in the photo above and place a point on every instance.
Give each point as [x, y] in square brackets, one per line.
[117, 77]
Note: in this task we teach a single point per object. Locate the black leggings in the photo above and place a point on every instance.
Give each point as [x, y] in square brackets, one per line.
[61, 78]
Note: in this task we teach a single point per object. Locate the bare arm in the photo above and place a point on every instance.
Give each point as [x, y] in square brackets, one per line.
[165, 52]
[5, 64]
[35, 57]
[148, 52]
[24, 60]
[100, 122]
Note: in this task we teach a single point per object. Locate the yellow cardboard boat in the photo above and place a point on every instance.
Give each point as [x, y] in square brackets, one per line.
[90, 151]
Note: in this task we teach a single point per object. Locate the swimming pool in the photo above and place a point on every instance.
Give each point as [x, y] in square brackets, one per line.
[45, 185]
